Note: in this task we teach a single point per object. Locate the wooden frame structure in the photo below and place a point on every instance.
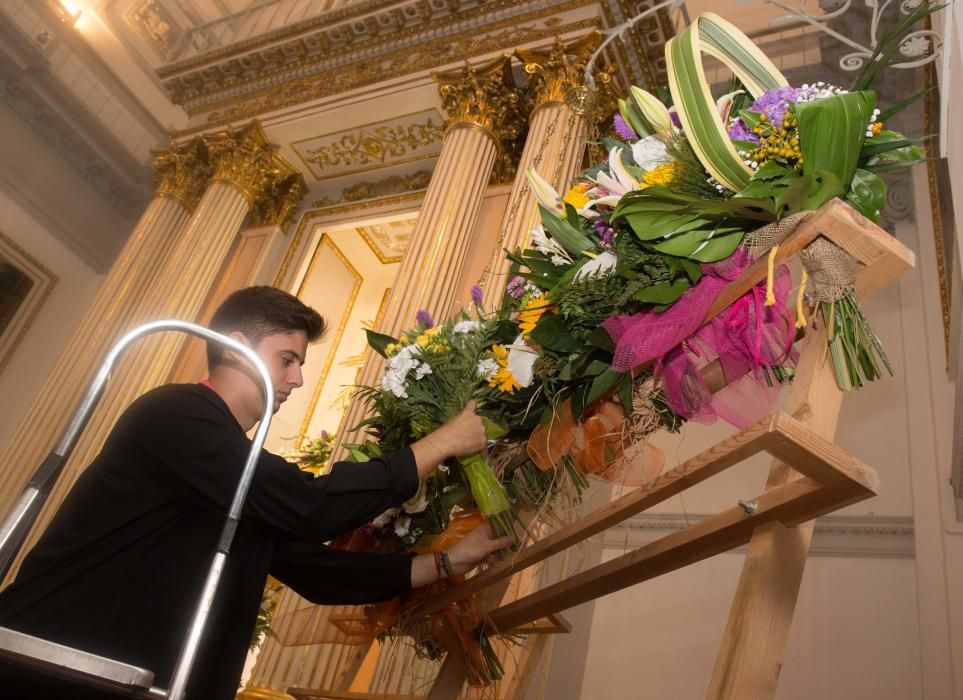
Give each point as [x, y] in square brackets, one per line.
[809, 477]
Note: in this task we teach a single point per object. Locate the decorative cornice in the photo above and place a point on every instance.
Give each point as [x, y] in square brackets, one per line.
[835, 535]
[182, 172]
[393, 184]
[225, 106]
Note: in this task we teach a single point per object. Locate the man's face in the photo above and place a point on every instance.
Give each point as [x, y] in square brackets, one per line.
[283, 354]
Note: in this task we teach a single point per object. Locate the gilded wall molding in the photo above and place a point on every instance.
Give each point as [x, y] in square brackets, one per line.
[393, 184]
[407, 138]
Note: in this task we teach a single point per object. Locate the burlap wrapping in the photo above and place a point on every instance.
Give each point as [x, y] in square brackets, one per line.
[831, 269]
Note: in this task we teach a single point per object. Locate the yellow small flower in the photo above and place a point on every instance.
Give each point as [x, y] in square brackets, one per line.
[392, 349]
[876, 128]
[423, 340]
[576, 196]
[501, 354]
[663, 174]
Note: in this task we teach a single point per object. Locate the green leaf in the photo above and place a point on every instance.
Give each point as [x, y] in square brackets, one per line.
[379, 341]
[832, 130]
[551, 333]
[600, 338]
[692, 270]
[900, 106]
[867, 194]
[603, 384]
[663, 292]
[493, 430]
[569, 237]
[703, 245]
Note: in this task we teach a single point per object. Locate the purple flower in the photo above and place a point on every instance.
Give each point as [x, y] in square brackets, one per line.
[516, 287]
[477, 295]
[604, 232]
[674, 116]
[424, 318]
[624, 131]
[773, 104]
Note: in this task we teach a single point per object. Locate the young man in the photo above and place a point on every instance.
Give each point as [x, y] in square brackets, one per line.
[120, 568]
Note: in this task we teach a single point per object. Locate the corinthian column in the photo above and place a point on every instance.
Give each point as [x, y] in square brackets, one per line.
[554, 146]
[119, 304]
[244, 167]
[484, 107]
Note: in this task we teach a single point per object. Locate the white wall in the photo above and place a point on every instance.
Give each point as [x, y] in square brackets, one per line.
[41, 346]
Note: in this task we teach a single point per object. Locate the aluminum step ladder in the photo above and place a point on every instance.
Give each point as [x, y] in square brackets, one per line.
[89, 669]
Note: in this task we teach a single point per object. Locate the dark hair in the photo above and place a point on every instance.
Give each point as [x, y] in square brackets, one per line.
[261, 311]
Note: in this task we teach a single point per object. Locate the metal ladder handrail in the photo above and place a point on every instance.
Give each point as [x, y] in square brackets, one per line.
[15, 527]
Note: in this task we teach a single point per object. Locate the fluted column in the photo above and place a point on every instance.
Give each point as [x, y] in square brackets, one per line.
[483, 105]
[244, 167]
[554, 146]
[119, 304]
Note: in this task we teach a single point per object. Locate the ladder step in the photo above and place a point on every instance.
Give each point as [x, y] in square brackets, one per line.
[72, 664]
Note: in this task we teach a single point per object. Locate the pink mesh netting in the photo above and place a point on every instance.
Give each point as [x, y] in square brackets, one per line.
[745, 338]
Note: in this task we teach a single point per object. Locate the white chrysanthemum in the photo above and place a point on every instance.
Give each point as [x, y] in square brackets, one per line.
[402, 525]
[599, 266]
[650, 152]
[487, 367]
[521, 361]
[386, 517]
[423, 369]
[397, 368]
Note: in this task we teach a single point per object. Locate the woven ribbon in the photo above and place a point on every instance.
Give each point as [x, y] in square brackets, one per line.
[831, 268]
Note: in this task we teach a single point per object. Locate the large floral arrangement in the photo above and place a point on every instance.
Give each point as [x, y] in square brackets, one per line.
[603, 336]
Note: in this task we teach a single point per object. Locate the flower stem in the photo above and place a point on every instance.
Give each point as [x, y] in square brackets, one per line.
[489, 494]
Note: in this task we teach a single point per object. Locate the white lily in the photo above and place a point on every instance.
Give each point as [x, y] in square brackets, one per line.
[521, 361]
[724, 104]
[548, 246]
[599, 266]
[620, 182]
[654, 112]
[544, 193]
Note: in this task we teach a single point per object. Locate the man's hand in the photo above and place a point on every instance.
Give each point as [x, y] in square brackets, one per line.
[462, 435]
[474, 547]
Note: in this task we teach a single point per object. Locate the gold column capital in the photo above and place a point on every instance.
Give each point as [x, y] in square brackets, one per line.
[280, 198]
[182, 172]
[246, 159]
[555, 71]
[483, 95]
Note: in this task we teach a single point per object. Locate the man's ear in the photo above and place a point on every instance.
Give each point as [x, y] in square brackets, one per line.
[229, 355]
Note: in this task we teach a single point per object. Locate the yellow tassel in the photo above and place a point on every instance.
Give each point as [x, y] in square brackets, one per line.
[770, 273]
[801, 321]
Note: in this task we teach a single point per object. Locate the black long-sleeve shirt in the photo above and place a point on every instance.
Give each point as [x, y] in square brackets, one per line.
[120, 568]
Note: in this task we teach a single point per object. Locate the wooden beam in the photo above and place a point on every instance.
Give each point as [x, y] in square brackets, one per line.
[551, 624]
[706, 464]
[795, 502]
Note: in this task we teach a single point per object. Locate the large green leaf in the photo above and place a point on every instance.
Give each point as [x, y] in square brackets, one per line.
[867, 194]
[569, 237]
[832, 130]
[602, 385]
[663, 292]
[551, 334]
[703, 245]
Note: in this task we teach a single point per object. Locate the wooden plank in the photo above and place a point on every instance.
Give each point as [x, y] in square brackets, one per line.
[758, 437]
[707, 538]
[551, 624]
[449, 681]
[751, 650]
[528, 665]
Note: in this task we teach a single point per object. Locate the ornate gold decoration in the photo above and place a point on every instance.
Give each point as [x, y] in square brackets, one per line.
[484, 94]
[157, 27]
[554, 71]
[393, 184]
[378, 240]
[438, 52]
[245, 159]
[375, 144]
[182, 172]
[280, 199]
